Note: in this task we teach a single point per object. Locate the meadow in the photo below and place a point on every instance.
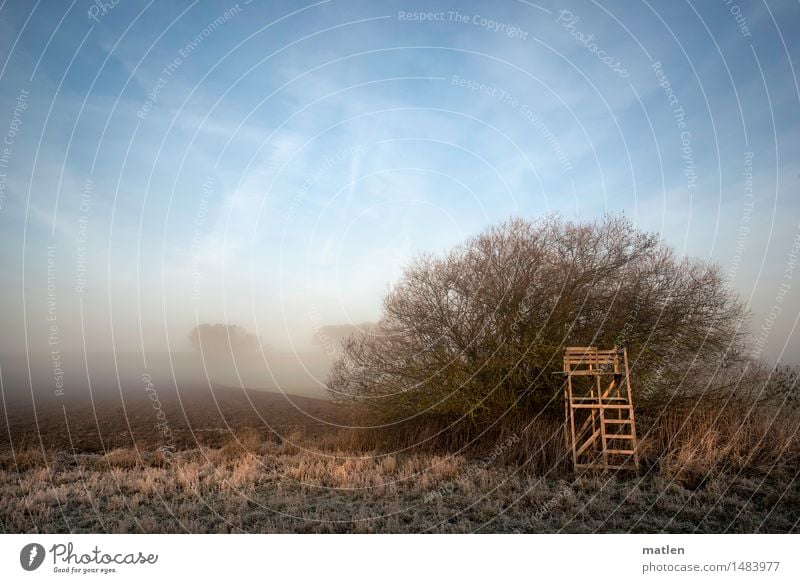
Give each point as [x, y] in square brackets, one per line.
[706, 470]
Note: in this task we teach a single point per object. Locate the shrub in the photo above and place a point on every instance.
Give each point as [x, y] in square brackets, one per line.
[479, 332]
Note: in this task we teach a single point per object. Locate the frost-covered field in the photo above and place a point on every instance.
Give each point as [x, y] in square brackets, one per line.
[270, 487]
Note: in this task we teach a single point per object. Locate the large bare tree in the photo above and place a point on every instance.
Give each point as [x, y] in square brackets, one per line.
[480, 330]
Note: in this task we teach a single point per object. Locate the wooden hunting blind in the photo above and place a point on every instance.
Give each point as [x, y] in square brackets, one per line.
[599, 423]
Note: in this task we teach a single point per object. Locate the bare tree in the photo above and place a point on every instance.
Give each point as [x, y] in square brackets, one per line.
[331, 338]
[481, 330]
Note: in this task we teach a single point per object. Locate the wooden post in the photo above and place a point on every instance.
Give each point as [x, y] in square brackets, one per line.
[635, 440]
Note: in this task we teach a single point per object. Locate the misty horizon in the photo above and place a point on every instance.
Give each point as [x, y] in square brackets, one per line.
[224, 172]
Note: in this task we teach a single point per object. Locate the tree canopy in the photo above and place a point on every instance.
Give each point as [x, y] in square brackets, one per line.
[481, 329]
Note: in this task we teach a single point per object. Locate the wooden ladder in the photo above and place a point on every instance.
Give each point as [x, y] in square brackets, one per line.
[600, 427]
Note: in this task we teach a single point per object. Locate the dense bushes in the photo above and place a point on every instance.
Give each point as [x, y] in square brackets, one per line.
[479, 332]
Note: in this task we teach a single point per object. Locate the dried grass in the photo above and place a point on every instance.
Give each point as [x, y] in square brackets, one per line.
[732, 469]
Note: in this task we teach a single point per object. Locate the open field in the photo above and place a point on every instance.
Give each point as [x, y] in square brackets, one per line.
[276, 488]
[704, 472]
[150, 419]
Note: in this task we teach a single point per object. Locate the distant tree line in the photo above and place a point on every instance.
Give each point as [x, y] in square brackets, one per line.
[223, 340]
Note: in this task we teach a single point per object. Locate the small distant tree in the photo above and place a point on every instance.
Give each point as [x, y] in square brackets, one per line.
[216, 340]
[481, 329]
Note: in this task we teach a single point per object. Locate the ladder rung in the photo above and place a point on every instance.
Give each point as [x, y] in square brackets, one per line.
[621, 451]
[618, 436]
[600, 466]
[618, 421]
[595, 399]
[599, 406]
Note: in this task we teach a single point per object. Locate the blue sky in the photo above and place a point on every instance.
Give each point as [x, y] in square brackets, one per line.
[275, 164]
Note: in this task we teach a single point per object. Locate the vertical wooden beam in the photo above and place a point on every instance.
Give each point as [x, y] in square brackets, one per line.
[603, 439]
[634, 439]
[567, 411]
[572, 420]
